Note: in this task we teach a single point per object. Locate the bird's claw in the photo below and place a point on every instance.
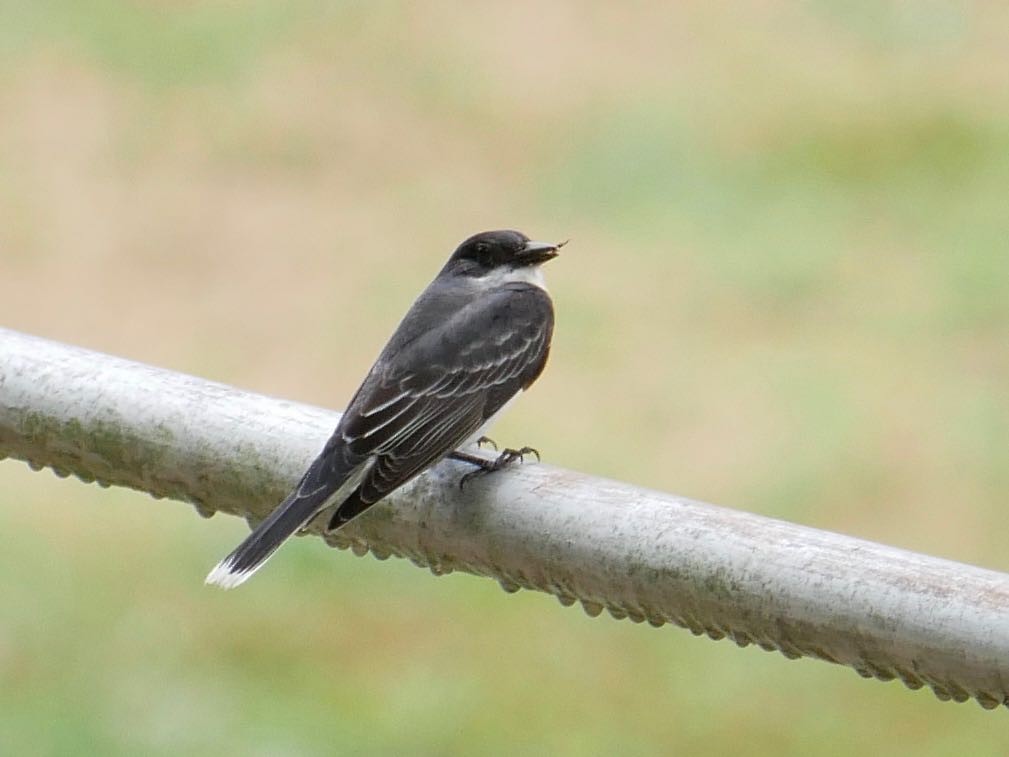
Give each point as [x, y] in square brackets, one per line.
[486, 440]
[531, 451]
[511, 455]
[506, 458]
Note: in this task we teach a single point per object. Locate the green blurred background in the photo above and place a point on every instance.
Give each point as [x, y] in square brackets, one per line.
[788, 280]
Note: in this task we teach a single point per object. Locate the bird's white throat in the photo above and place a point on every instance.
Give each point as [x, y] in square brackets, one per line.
[530, 274]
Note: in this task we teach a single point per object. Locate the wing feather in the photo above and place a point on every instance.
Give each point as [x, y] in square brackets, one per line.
[437, 391]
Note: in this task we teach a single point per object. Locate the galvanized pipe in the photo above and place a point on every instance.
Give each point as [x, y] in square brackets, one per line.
[639, 554]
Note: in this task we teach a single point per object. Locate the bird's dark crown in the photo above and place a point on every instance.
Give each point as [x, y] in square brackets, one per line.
[494, 249]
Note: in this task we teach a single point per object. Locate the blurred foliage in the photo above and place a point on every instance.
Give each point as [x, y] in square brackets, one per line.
[787, 291]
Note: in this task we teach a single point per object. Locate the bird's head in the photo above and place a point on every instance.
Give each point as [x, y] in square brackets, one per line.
[491, 251]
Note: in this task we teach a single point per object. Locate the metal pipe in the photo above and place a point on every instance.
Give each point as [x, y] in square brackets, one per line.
[639, 554]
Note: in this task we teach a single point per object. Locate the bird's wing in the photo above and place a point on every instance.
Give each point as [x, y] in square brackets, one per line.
[438, 390]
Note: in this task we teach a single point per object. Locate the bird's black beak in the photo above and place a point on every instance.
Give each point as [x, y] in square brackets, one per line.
[535, 253]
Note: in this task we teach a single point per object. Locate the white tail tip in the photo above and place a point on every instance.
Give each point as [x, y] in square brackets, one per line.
[223, 576]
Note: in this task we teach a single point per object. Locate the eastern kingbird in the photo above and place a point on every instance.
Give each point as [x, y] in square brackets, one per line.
[474, 339]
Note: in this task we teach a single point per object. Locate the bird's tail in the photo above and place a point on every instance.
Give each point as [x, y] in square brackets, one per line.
[290, 515]
[330, 479]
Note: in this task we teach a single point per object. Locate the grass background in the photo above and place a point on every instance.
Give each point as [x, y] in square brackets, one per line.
[789, 279]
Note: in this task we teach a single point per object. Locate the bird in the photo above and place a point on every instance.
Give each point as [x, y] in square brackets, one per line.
[476, 338]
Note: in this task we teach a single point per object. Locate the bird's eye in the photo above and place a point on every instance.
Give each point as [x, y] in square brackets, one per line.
[482, 248]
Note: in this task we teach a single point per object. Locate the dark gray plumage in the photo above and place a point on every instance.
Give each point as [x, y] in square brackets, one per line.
[477, 336]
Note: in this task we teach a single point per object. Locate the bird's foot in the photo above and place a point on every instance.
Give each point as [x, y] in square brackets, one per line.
[506, 458]
[468, 457]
